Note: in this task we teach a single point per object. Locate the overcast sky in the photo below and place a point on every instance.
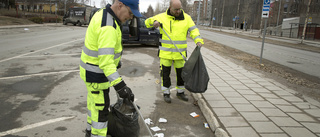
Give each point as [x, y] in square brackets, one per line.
[143, 4]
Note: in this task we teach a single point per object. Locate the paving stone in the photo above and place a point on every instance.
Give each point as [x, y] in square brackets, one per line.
[303, 105]
[228, 78]
[288, 108]
[253, 85]
[266, 127]
[239, 86]
[234, 82]
[246, 80]
[265, 83]
[216, 80]
[285, 121]
[314, 127]
[254, 116]
[233, 121]
[213, 96]
[237, 100]
[274, 135]
[246, 92]
[231, 94]
[242, 132]
[273, 88]
[278, 101]
[301, 117]
[268, 95]
[220, 103]
[272, 112]
[261, 90]
[298, 132]
[282, 93]
[313, 112]
[222, 112]
[220, 84]
[292, 98]
[262, 104]
[253, 97]
[245, 107]
[225, 89]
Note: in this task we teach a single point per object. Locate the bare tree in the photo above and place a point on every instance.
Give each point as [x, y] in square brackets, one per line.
[103, 3]
[157, 9]
[165, 5]
[150, 12]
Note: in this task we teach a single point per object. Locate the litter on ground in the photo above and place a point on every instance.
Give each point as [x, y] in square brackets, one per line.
[194, 114]
[163, 120]
[155, 129]
[148, 121]
[159, 135]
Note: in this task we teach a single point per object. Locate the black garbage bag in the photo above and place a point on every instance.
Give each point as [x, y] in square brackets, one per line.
[123, 119]
[194, 73]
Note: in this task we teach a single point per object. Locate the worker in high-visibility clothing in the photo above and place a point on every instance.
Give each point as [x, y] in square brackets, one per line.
[100, 59]
[176, 24]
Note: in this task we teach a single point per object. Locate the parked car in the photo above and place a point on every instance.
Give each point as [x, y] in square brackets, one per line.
[77, 16]
[135, 32]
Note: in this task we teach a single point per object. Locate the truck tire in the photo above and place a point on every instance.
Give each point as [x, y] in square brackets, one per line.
[79, 24]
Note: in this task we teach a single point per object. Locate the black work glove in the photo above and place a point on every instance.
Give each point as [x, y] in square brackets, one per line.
[124, 91]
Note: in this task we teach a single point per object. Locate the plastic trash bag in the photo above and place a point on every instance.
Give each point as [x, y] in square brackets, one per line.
[194, 73]
[123, 119]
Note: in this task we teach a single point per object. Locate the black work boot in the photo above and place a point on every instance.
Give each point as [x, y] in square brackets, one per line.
[167, 98]
[88, 133]
[182, 96]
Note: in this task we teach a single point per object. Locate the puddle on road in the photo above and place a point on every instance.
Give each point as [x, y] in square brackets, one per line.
[133, 71]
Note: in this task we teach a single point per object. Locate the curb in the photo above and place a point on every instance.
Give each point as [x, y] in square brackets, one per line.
[209, 116]
[28, 26]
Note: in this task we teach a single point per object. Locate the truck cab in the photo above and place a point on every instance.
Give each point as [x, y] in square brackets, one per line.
[77, 16]
[135, 31]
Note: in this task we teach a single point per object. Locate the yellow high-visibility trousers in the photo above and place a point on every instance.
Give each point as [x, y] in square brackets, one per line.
[98, 102]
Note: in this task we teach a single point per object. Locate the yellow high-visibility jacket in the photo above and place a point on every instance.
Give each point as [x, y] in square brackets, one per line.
[102, 49]
[177, 29]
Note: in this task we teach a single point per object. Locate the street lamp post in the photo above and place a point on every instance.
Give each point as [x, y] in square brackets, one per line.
[198, 13]
[278, 16]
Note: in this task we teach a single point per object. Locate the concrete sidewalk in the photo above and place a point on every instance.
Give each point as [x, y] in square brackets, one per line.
[241, 103]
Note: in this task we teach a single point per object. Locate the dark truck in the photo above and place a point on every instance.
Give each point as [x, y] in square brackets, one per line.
[77, 16]
[135, 31]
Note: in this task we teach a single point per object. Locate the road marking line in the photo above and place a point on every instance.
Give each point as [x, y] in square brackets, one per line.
[40, 50]
[50, 55]
[39, 74]
[12, 131]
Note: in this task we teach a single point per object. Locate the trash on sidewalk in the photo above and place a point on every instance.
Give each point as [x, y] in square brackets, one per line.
[155, 129]
[148, 121]
[206, 125]
[26, 29]
[157, 81]
[194, 114]
[159, 135]
[163, 120]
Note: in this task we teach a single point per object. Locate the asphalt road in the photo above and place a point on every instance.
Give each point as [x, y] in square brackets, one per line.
[41, 93]
[301, 60]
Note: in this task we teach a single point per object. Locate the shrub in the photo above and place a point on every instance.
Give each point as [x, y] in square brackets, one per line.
[38, 20]
[51, 19]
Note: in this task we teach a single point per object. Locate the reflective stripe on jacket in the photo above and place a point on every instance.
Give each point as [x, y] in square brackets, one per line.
[177, 29]
[102, 49]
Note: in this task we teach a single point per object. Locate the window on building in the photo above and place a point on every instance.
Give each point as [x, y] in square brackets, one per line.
[285, 8]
